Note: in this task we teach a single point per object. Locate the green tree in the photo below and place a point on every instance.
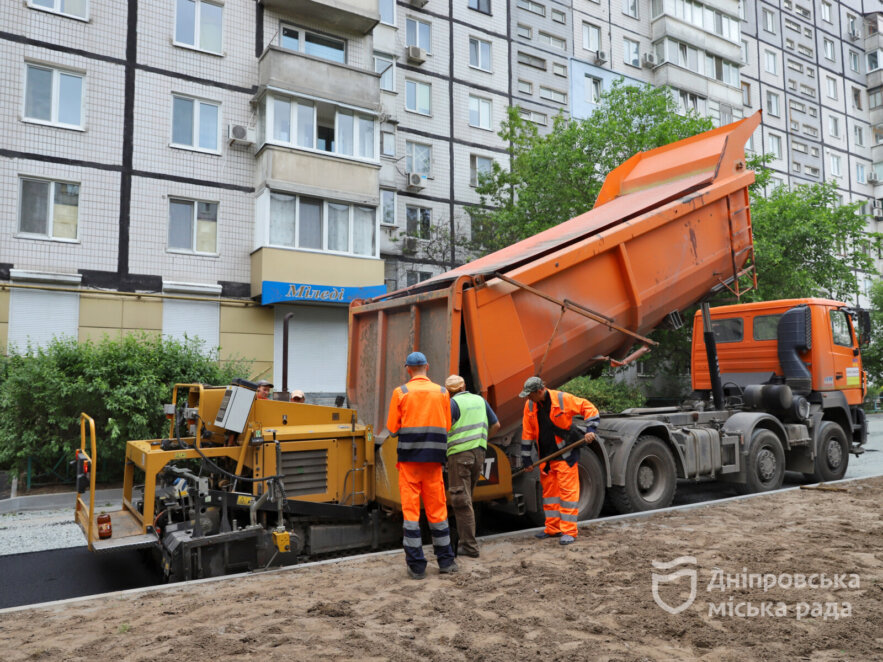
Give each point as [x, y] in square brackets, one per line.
[872, 355]
[552, 178]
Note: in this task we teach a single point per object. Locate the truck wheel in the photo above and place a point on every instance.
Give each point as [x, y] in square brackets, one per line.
[765, 469]
[650, 478]
[832, 457]
[591, 485]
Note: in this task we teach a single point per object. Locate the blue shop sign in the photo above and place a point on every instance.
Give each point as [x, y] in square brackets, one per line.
[277, 292]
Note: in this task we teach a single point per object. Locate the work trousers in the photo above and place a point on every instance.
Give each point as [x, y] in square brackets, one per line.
[560, 497]
[416, 480]
[464, 470]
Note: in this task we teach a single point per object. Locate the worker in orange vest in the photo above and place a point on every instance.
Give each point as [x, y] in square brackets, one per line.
[420, 416]
[546, 424]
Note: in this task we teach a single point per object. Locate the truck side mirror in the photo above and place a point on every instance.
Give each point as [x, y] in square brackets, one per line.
[864, 328]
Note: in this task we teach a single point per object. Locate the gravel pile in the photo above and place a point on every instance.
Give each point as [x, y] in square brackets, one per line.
[38, 531]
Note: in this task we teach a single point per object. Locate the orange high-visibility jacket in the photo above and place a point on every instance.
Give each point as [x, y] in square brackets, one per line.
[420, 415]
[564, 407]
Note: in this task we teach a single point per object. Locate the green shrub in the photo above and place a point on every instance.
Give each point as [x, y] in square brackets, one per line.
[607, 394]
[122, 384]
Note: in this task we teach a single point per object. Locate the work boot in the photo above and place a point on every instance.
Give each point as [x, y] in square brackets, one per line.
[449, 569]
[542, 534]
[567, 540]
[413, 574]
[465, 552]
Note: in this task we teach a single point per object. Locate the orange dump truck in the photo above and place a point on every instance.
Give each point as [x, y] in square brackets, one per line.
[669, 227]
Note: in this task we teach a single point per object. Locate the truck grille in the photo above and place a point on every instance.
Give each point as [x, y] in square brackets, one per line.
[305, 472]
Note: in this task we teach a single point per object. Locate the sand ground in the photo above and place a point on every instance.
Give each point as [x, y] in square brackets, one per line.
[527, 599]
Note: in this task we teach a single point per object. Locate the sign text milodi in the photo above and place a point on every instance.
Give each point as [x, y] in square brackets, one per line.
[296, 291]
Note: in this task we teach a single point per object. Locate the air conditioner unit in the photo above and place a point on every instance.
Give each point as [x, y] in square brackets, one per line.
[418, 3]
[416, 180]
[854, 34]
[236, 133]
[601, 57]
[409, 245]
[872, 178]
[416, 55]
[877, 204]
[878, 213]
[648, 60]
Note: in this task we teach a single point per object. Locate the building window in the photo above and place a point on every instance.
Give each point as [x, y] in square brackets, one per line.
[320, 125]
[829, 48]
[874, 61]
[860, 173]
[385, 66]
[799, 147]
[559, 69]
[480, 112]
[193, 226]
[387, 143]
[856, 98]
[479, 166]
[195, 124]
[826, 12]
[414, 277]
[524, 31]
[553, 95]
[769, 21]
[875, 98]
[53, 96]
[525, 86]
[534, 116]
[484, 6]
[559, 16]
[312, 43]
[831, 86]
[833, 126]
[479, 54]
[591, 37]
[418, 221]
[720, 69]
[418, 97]
[388, 12]
[593, 89]
[774, 145]
[531, 6]
[531, 60]
[48, 209]
[854, 61]
[744, 51]
[772, 104]
[746, 94]
[835, 165]
[630, 8]
[552, 40]
[688, 102]
[859, 134]
[75, 8]
[418, 158]
[198, 24]
[418, 33]
[387, 207]
[769, 62]
[631, 52]
[315, 224]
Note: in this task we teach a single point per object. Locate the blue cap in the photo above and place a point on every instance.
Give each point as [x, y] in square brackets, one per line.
[416, 358]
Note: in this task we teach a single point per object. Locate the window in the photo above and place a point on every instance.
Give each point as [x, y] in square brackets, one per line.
[728, 330]
[826, 12]
[687, 102]
[802, 11]
[744, 51]
[806, 51]
[774, 145]
[772, 104]
[766, 327]
[553, 95]
[531, 6]
[834, 126]
[480, 112]
[195, 124]
[860, 173]
[312, 43]
[531, 60]
[315, 224]
[794, 65]
[49, 209]
[593, 89]
[874, 61]
[769, 62]
[479, 166]
[198, 24]
[591, 37]
[840, 329]
[746, 94]
[559, 69]
[831, 86]
[418, 158]
[721, 24]
[388, 12]
[193, 226]
[835, 165]
[387, 143]
[414, 277]
[76, 8]
[799, 147]
[559, 16]
[53, 96]
[484, 6]
[387, 207]
[769, 20]
[829, 48]
[418, 97]
[524, 31]
[479, 54]
[525, 87]
[631, 52]
[385, 66]
[859, 133]
[856, 98]
[418, 221]
[630, 8]
[320, 125]
[534, 116]
[418, 33]
[854, 61]
[552, 40]
[720, 69]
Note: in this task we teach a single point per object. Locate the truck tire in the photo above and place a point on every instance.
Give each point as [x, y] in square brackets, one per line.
[650, 478]
[832, 456]
[765, 468]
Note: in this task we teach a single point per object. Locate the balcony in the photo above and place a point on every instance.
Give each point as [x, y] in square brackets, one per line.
[348, 15]
[674, 28]
[327, 274]
[318, 78]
